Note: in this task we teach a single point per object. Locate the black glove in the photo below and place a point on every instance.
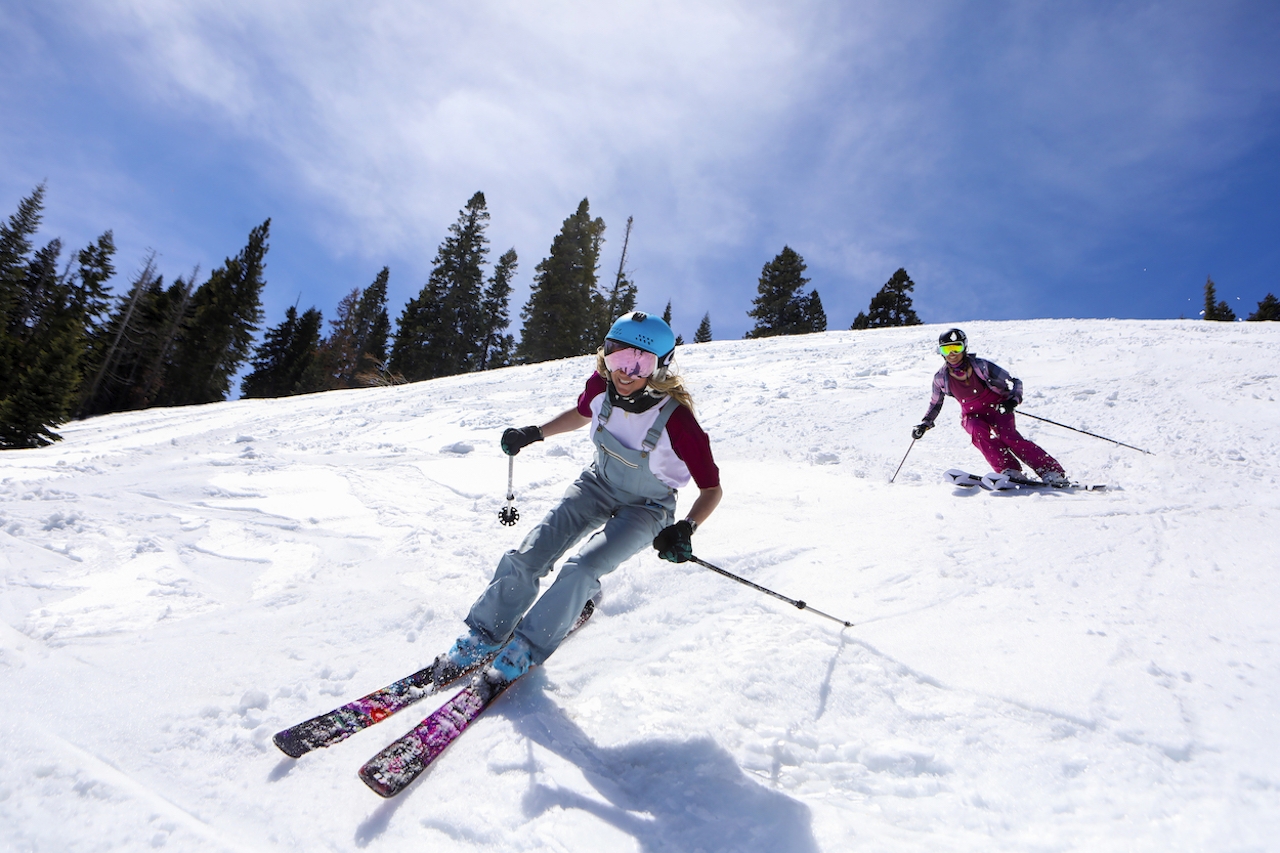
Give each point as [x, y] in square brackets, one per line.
[675, 543]
[921, 429]
[514, 440]
[1006, 406]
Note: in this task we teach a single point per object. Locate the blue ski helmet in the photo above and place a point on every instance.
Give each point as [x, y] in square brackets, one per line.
[647, 332]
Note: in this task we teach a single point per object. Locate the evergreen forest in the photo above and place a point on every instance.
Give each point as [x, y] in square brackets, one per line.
[75, 342]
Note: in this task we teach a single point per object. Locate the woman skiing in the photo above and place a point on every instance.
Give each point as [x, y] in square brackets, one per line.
[648, 444]
[987, 395]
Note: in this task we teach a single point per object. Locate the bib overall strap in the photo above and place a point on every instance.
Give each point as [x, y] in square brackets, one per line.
[655, 432]
[606, 407]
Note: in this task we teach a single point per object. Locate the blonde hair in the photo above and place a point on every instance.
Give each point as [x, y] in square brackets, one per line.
[672, 384]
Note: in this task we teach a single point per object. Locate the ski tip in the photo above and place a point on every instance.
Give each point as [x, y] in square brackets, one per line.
[994, 482]
[382, 789]
[294, 747]
[961, 479]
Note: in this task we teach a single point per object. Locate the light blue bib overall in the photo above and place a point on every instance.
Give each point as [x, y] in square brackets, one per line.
[617, 491]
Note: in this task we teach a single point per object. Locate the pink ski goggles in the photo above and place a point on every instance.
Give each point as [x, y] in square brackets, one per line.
[631, 361]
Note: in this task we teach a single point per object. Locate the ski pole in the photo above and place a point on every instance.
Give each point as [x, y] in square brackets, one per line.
[1103, 437]
[509, 515]
[904, 459]
[797, 604]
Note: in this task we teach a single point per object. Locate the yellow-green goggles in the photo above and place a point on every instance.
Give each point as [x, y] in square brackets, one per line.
[950, 349]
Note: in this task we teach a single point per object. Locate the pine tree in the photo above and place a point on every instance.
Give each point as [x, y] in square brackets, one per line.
[440, 330]
[94, 268]
[666, 318]
[112, 368]
[703, 335]
[284, 355]
[357, 342]
[781, 308]
[415, 348]
[1268, 309]
[15, 250]
[217, 333]
[336, 359]
[165, 313]
[1214, 309]
[41, 395]
[498, 347]
[891, 306]
[372, 327]
[48, 343]
[814, 315]
[50, 328]
[622, 297]
[47, 322]
[143, 330]
[561, 318]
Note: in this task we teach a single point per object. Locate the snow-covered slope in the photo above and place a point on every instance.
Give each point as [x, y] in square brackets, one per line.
[1041, 671]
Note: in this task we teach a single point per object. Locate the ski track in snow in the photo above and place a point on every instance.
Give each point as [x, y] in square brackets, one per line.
[1042, 671]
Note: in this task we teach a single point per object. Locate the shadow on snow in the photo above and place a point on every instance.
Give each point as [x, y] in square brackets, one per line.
[667, 794]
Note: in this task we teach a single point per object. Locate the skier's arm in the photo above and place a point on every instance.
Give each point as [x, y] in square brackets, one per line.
[705, 504]
[566, 421]
[935, 401]
[691, 444]
[517, 438]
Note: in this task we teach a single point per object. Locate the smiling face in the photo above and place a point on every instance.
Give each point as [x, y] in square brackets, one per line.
[626, 384]
[953, 351]
[629, 367]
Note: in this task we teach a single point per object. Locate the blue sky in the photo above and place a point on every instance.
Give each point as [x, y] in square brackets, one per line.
[1019, 159]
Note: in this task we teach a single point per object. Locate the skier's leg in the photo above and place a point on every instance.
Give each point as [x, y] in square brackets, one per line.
[993, 449]
[516, 580]
[630, 530]
[1028, 451]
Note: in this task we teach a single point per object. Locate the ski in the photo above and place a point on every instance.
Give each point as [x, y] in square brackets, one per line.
[341, 723]
[962, 479]
[394, 768]
[1012, 482]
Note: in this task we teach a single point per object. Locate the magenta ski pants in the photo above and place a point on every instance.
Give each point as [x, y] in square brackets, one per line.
[998, 439]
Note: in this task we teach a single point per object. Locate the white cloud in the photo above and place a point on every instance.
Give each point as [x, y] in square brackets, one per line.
[395, 112]
[968, 142]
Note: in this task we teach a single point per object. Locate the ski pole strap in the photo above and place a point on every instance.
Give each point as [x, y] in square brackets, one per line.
[800, 605]
[1086, 432]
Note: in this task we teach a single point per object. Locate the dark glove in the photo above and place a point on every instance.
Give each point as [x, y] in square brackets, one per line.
[1006, 406]
[675, 543]
[514, 440]
[921, 429]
